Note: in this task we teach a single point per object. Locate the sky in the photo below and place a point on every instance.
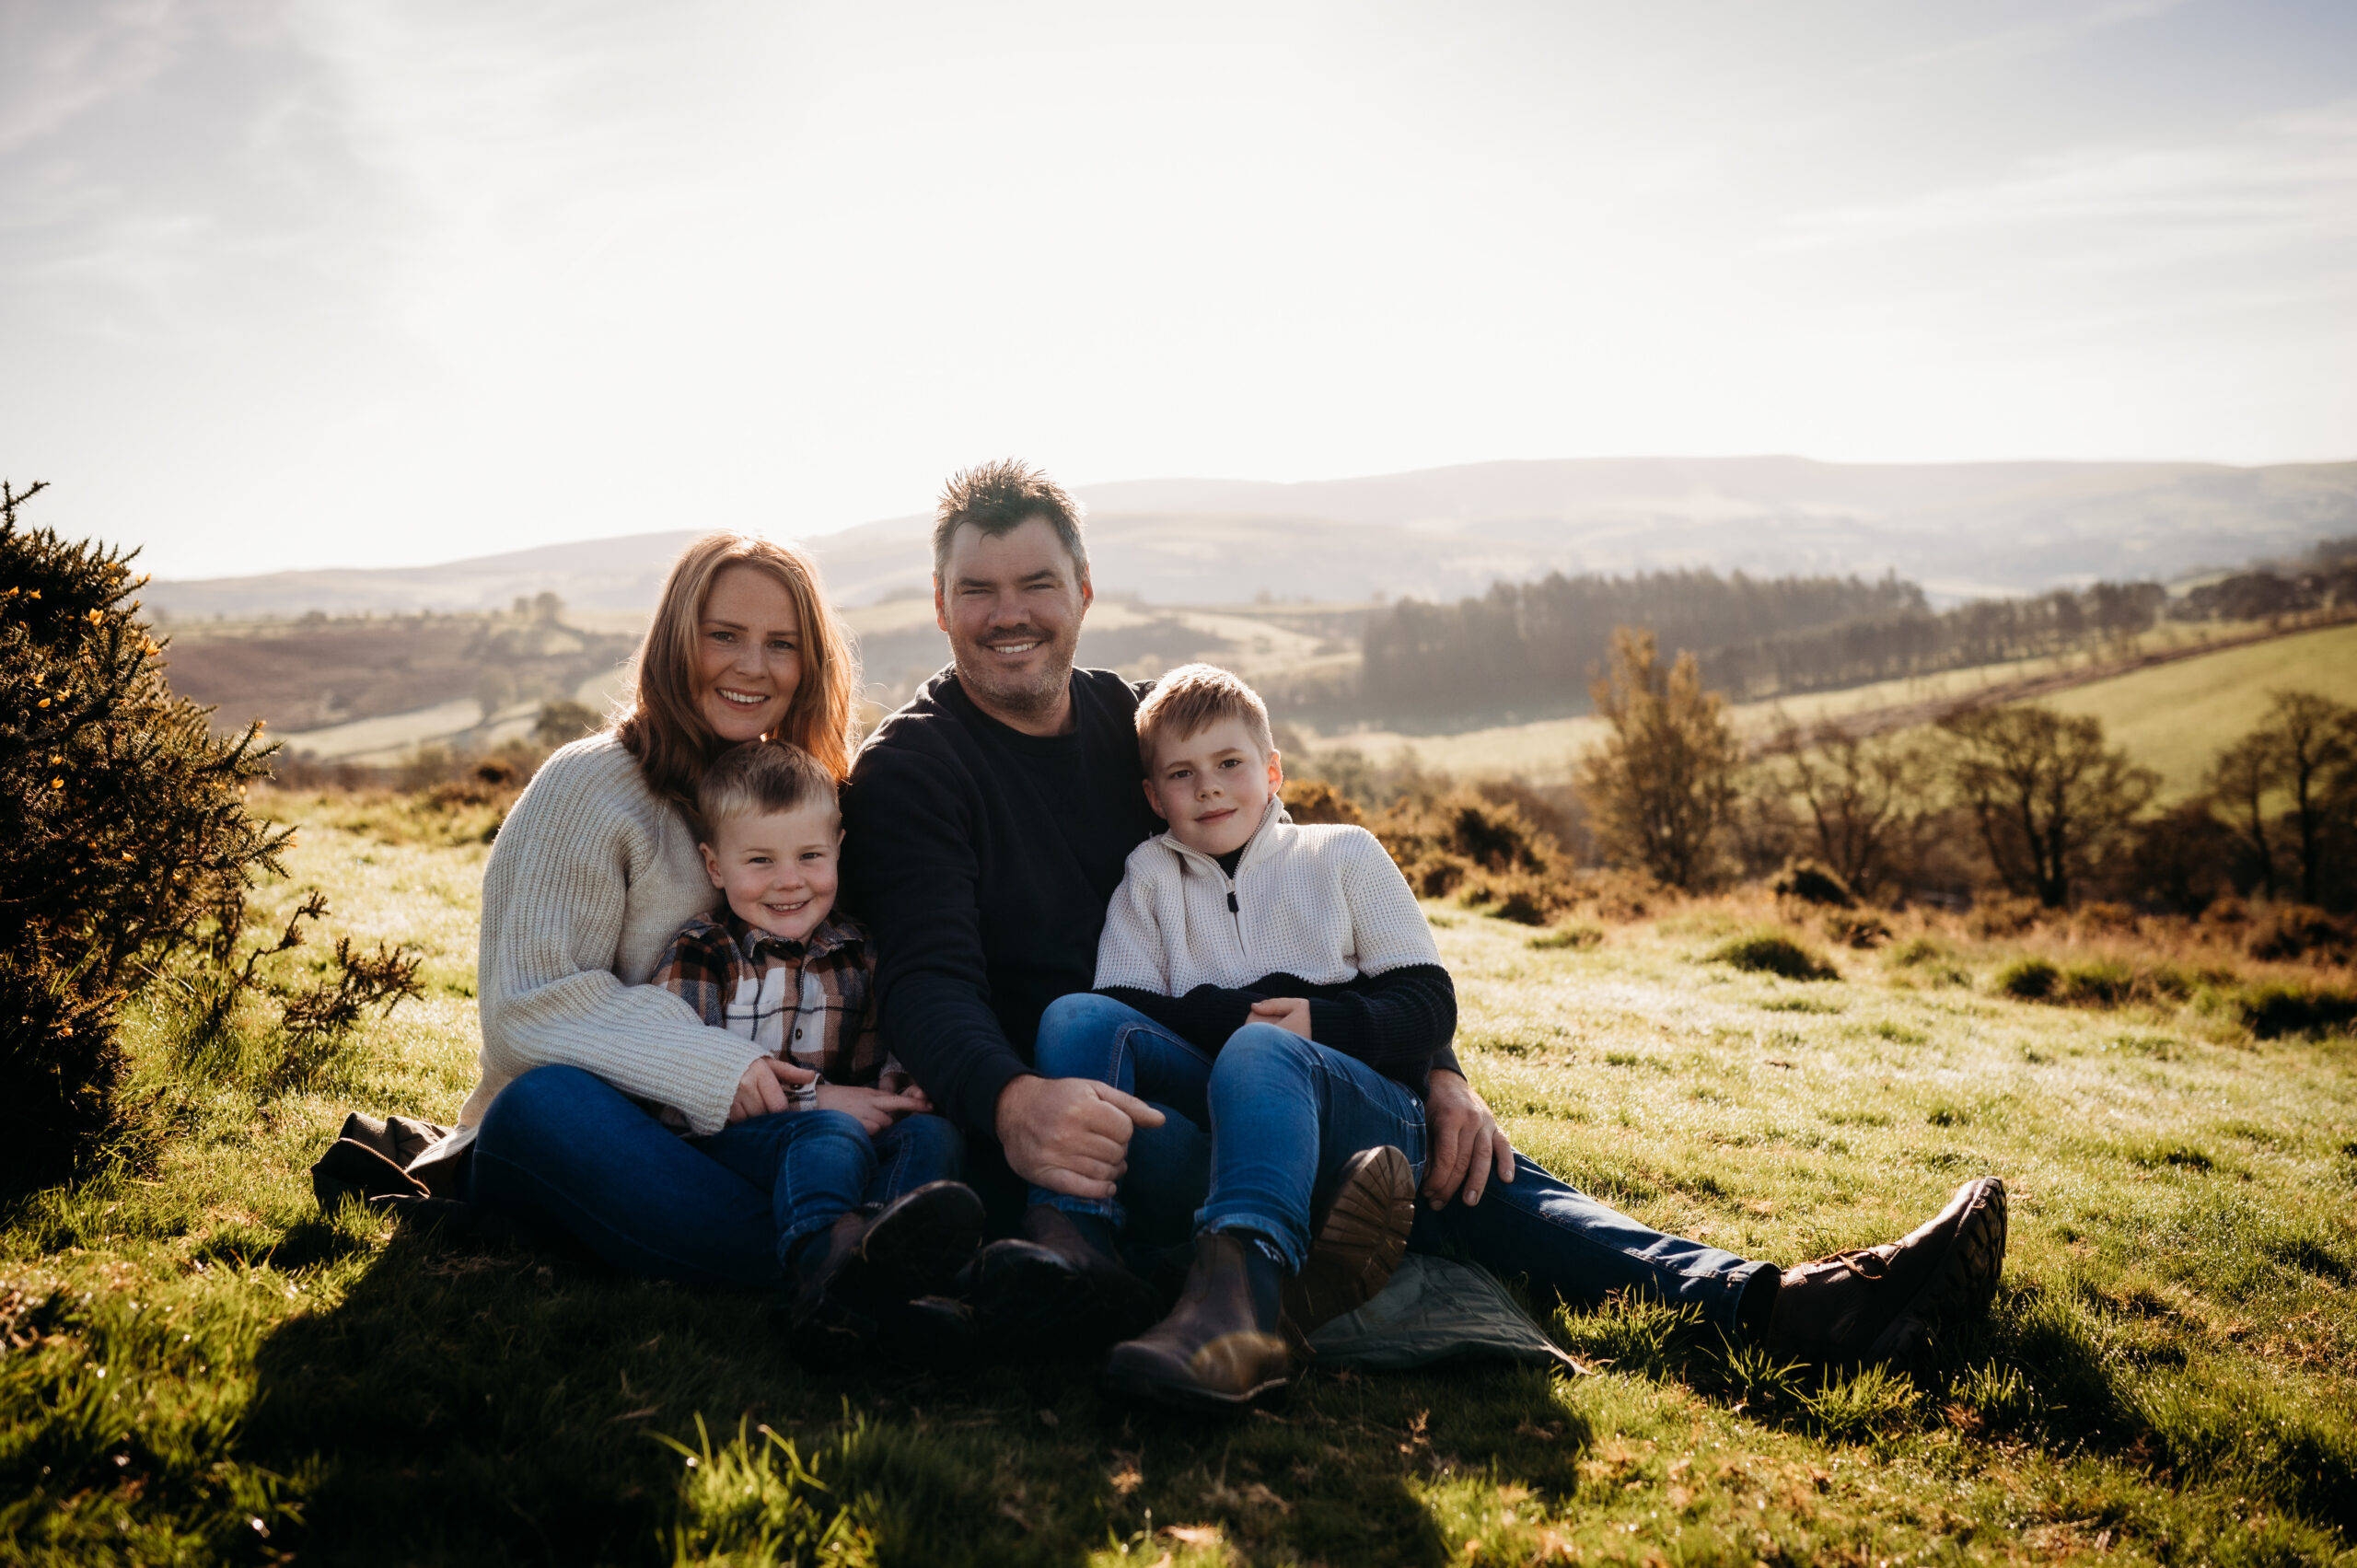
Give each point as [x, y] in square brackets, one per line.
[308, 283]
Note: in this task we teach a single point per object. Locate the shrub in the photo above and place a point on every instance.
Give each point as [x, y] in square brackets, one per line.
[1811, 883]
[123, 837]
[1578, 937]
[1774, 952]
[2004, 917]
[2299, 931]
[2103, 984]
[2279, 1008]
[1855, 928]
[1440, 842]
[2028, 980]
[1315, 800]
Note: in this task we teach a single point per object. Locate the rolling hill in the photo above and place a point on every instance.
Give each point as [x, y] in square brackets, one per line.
[1961, 529]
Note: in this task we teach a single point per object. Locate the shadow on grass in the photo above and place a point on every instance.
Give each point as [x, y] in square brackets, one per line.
[502, 1407]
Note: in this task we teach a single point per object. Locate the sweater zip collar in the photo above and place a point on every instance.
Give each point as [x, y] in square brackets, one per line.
[1273, 813]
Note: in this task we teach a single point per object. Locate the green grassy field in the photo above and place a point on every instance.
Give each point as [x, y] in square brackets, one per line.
[198, 1368]
[2176, 716]
[2172, 717]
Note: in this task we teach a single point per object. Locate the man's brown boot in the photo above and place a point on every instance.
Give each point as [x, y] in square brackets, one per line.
[1879, 1304]
[1219, 1349]
[1364, 1237]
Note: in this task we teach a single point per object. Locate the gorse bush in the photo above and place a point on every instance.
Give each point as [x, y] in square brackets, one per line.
[1774, 952]
[123, 836]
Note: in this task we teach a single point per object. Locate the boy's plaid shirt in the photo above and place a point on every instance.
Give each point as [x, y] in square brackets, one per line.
[814, 1001]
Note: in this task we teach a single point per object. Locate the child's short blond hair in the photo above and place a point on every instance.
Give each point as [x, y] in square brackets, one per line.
[1192, 698]
[761, 778]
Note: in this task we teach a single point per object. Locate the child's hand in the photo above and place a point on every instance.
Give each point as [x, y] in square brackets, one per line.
[900, 1083]
[761, 1091]
[1285, 1012]
[877, 1109]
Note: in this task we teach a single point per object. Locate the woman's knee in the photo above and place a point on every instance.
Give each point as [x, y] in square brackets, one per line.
[554, 1096]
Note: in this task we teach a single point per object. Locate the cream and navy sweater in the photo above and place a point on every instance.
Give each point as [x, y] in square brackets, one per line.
[1317, 911]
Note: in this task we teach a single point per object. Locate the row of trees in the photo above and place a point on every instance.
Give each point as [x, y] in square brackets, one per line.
[2051, 810]
[1918, 642]
[1759, 637]
[1531, 642]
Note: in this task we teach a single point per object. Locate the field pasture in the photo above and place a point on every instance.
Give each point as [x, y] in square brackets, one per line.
[2174, 717]
[2171, 716]
[198, 1367]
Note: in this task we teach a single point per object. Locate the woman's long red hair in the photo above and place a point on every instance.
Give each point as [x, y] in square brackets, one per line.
[666, 729]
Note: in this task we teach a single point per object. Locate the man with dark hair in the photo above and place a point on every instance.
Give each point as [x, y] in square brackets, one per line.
[997, 498]
[988, 821]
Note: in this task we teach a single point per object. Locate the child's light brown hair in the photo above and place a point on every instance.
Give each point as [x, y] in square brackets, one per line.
[1191, 699]
[761, 778]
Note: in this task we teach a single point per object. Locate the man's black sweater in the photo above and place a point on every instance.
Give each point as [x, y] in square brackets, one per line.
[982, 859]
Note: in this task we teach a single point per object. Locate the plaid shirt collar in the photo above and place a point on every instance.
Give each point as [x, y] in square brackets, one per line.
[833, 935]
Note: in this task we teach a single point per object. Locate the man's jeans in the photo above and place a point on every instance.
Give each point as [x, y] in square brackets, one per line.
[1536, 1227]
[563, 1148]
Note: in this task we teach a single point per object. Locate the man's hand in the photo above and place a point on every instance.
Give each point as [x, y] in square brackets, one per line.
[877, 1109]
[1285, 1012]
[1468, 1142]
[761, 1091]
[1069, 1135]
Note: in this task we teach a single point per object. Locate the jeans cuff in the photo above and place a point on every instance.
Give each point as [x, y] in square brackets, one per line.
[1282, 1232]
[1107, 1209]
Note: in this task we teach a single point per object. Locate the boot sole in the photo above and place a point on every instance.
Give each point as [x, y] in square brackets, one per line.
[1359, 1247]
[1966, 1280]
[1183, 1393]
[918, 1244]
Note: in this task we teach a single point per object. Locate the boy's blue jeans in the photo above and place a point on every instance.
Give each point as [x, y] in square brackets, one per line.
[1284, 1116]
[562, 1147]
[1537, 1227]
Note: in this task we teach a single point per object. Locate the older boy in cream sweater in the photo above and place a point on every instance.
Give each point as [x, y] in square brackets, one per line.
[1277, 983]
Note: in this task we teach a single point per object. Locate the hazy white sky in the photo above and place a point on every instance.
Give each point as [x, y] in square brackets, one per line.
[336, 282]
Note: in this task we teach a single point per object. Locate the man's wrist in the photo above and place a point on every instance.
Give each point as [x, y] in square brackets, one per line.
[1013, 1089]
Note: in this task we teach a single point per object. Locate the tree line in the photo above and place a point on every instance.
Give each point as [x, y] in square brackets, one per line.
[1523, 641]
[1758, 637]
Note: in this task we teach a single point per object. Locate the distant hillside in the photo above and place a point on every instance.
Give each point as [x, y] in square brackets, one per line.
[1960, 529]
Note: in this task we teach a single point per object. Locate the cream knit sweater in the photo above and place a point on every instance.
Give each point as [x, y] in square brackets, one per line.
[591, 876]
[1323, 903]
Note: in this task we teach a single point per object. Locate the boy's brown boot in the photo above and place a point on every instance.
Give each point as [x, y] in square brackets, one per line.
[1219, 1349]
[1362, 1238]
[1879, 1304]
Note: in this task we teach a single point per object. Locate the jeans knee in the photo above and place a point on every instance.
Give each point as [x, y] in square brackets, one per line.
[933, 1141]
[536, 1101]
[1257, 1051]
[1073, 1032]
[839, 1125]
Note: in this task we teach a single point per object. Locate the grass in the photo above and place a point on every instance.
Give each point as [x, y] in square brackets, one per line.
[2175, 716]
[199, 1368]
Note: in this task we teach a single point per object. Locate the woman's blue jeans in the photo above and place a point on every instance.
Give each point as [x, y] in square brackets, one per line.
[563, 1148]
[1537, 1227]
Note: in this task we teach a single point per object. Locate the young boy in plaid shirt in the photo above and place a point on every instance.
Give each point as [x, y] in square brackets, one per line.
[872, 1225]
